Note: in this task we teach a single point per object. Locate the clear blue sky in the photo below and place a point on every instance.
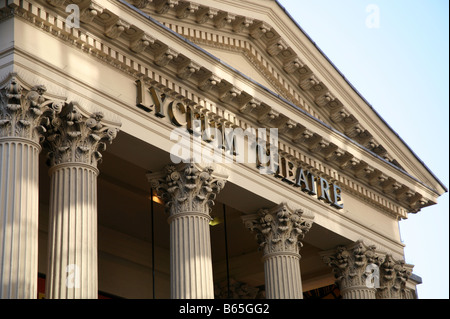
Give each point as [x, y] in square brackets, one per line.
[400, 65]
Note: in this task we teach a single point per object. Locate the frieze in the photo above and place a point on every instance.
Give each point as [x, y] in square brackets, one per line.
[201, 123]
[98, 48]
[275, 47]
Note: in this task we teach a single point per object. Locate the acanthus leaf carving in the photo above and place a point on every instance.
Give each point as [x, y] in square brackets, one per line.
[187, 187]
[349, 263]
[74, 137]
[25, 113]
[393, 277]
[279, 229]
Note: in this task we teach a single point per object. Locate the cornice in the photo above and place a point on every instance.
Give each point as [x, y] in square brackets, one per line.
[246, 49]
[297, 140]
[358, 103]
[349, 112]
[282, 58]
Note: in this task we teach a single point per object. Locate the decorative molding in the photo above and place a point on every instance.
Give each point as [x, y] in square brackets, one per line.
[97, 47]
[246, 49]
[292, 65]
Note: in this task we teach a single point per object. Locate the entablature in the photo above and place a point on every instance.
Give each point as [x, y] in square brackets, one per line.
[270, 53]
[225, 93]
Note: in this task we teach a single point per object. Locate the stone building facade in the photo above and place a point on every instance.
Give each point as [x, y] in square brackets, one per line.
[178, 149]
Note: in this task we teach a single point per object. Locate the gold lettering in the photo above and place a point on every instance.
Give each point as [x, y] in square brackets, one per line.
[324, 190]
[312, 179]
[176, 109]
[207, 127]
[160, 100]
[287, 170]
[337, 197]
[232, 141]
[302, 180]
[141, 98]
[192, 121]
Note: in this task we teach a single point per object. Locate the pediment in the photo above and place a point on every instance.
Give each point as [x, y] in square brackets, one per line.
[245, 63]
[246, 44]
[261, 52]
[172, 38]
[253, 37]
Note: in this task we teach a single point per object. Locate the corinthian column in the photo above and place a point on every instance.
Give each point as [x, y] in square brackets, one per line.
[393, 277]
[24, 114]
[279, 232]
[74, 144]
[356, 269]
[189, 192]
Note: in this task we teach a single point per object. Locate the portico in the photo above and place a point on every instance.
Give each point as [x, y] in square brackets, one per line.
[103, 109]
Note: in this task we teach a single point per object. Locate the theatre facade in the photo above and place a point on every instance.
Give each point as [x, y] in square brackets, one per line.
[177, 149]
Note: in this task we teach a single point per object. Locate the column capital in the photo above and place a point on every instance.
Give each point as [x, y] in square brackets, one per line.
[279, 229]
[187, 187]
[77, 136]
[393, 277]
[350, 264]
[24, 110]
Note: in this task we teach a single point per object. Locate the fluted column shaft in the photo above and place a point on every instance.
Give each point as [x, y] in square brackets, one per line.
[282, 276]
[189, 191]
[279, 232]
[358, 292]
[19, 215]
[24, 115]
[74, 143]
[190, 257]
[72, 270]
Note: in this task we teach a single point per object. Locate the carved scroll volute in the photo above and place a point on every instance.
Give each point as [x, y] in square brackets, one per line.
[26, 113]
[77, 137]
[280, 229]
[187, 187]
